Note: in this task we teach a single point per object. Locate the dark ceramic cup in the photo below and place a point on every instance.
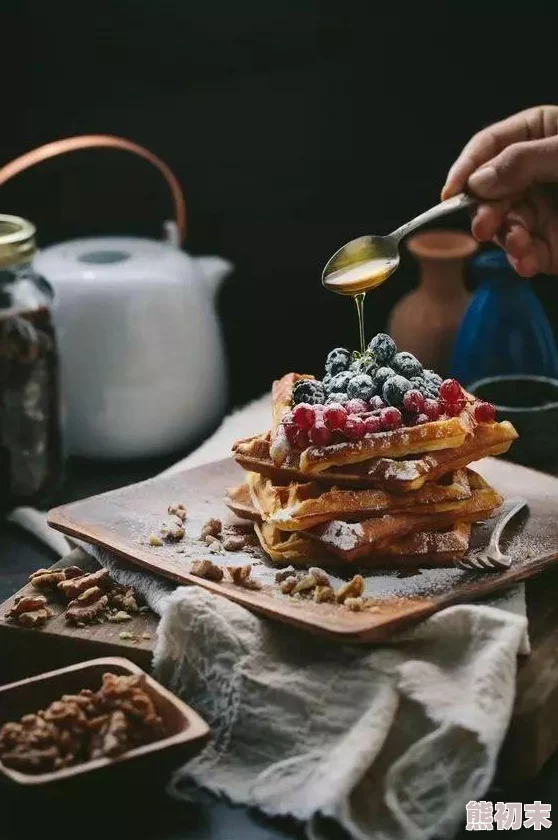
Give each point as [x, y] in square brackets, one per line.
[531, 404]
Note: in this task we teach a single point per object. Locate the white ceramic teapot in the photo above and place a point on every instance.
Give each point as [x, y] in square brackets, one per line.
[142, 359]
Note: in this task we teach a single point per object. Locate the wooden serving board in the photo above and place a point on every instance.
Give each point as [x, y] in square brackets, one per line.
[27, 651]
[532, 736]
[121, 521]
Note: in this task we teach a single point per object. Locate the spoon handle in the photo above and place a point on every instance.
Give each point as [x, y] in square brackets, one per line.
[456, 203]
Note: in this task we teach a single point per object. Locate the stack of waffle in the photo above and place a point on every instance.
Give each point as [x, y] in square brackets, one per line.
[400, 497]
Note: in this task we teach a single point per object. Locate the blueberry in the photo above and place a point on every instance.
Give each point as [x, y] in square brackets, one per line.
[365, 364]
[309, 391]
[383, 347]
[381, 376]
[337, 361]
[326, 382]
[433, 378]
[361, 387]
[426, 388]
[340, 382]
[337, 397]
[395, 389]
[407, 365]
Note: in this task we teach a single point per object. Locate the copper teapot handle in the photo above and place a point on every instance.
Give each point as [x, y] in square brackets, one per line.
[91, 141]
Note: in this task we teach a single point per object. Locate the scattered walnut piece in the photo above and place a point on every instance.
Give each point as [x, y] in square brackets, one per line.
[305, 584]
[177, 509]
[34, 618]
[212, 528]
[119, 617]
[240, 529]
[73, 588]
[27, 603]
[172, 530]
[239, 574]
[213, 543]
[154, 540]
[286, 586]
[47, 578]
[127, 636]
[352, 589]
[206, 569]
[285, 573]
[354, 604]
[237, 543]
[87, 608]
[124, 598]
[322, 578]
[73, 572]
[241, 577]
[323, 594]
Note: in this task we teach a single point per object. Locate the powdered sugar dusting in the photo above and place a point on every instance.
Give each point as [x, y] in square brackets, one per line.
[402, 470]
[342, 535]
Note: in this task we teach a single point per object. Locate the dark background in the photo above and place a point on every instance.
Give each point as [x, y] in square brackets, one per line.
[292, 125]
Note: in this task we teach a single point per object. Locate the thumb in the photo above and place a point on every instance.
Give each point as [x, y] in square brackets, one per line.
[515, 169]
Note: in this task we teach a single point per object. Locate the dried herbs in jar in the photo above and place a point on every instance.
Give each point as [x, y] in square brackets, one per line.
[30, 428]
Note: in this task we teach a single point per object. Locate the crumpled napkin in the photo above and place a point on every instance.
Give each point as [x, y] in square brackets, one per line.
[389, 741]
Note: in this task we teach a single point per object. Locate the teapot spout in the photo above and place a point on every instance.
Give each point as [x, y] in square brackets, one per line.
[214, 270]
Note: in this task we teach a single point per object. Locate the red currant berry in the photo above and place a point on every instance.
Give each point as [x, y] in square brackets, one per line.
[373, 424]
[485, 412]
[291, 432]
[451, 391]
[432, 409]
[356, 407]
[390, 418]
[355, 427]
[375, 403]
[320, 435]
[302, 441]
[413, 402]
[335, 416]
[304, 415]
[452, 409]
[422, 418]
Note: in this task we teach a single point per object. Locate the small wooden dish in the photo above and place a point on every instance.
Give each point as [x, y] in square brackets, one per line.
[186, 730]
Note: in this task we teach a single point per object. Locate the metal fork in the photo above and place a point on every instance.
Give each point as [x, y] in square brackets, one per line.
[492, 559]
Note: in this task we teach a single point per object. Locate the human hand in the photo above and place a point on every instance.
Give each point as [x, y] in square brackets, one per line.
[512, 168]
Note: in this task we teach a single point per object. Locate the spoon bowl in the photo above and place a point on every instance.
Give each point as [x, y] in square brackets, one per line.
[368, 261]
[361, 265]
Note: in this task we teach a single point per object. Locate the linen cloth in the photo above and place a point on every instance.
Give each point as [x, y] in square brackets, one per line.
[388, 741]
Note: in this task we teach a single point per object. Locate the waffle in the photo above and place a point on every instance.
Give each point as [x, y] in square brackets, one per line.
[352, 541]
[437, 548]
[398, 443]
[400, 497]
[395, 475]
[296, 507]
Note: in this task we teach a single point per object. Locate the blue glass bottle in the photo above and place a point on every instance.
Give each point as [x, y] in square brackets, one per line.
[505, 330]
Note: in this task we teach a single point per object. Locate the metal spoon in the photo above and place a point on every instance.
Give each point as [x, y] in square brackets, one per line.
[369, 260]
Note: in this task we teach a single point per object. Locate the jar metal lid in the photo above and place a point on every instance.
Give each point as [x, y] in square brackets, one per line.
[17, 240]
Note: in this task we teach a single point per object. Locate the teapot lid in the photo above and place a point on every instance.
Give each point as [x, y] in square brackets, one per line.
[112, 258]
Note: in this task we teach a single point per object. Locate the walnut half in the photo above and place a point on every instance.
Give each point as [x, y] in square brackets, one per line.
[354, 588]
[206, 569]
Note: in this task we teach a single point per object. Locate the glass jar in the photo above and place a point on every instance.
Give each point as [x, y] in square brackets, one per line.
[30, 417]
[505, 330]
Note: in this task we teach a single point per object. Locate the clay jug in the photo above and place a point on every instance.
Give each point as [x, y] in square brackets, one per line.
[425, 321]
